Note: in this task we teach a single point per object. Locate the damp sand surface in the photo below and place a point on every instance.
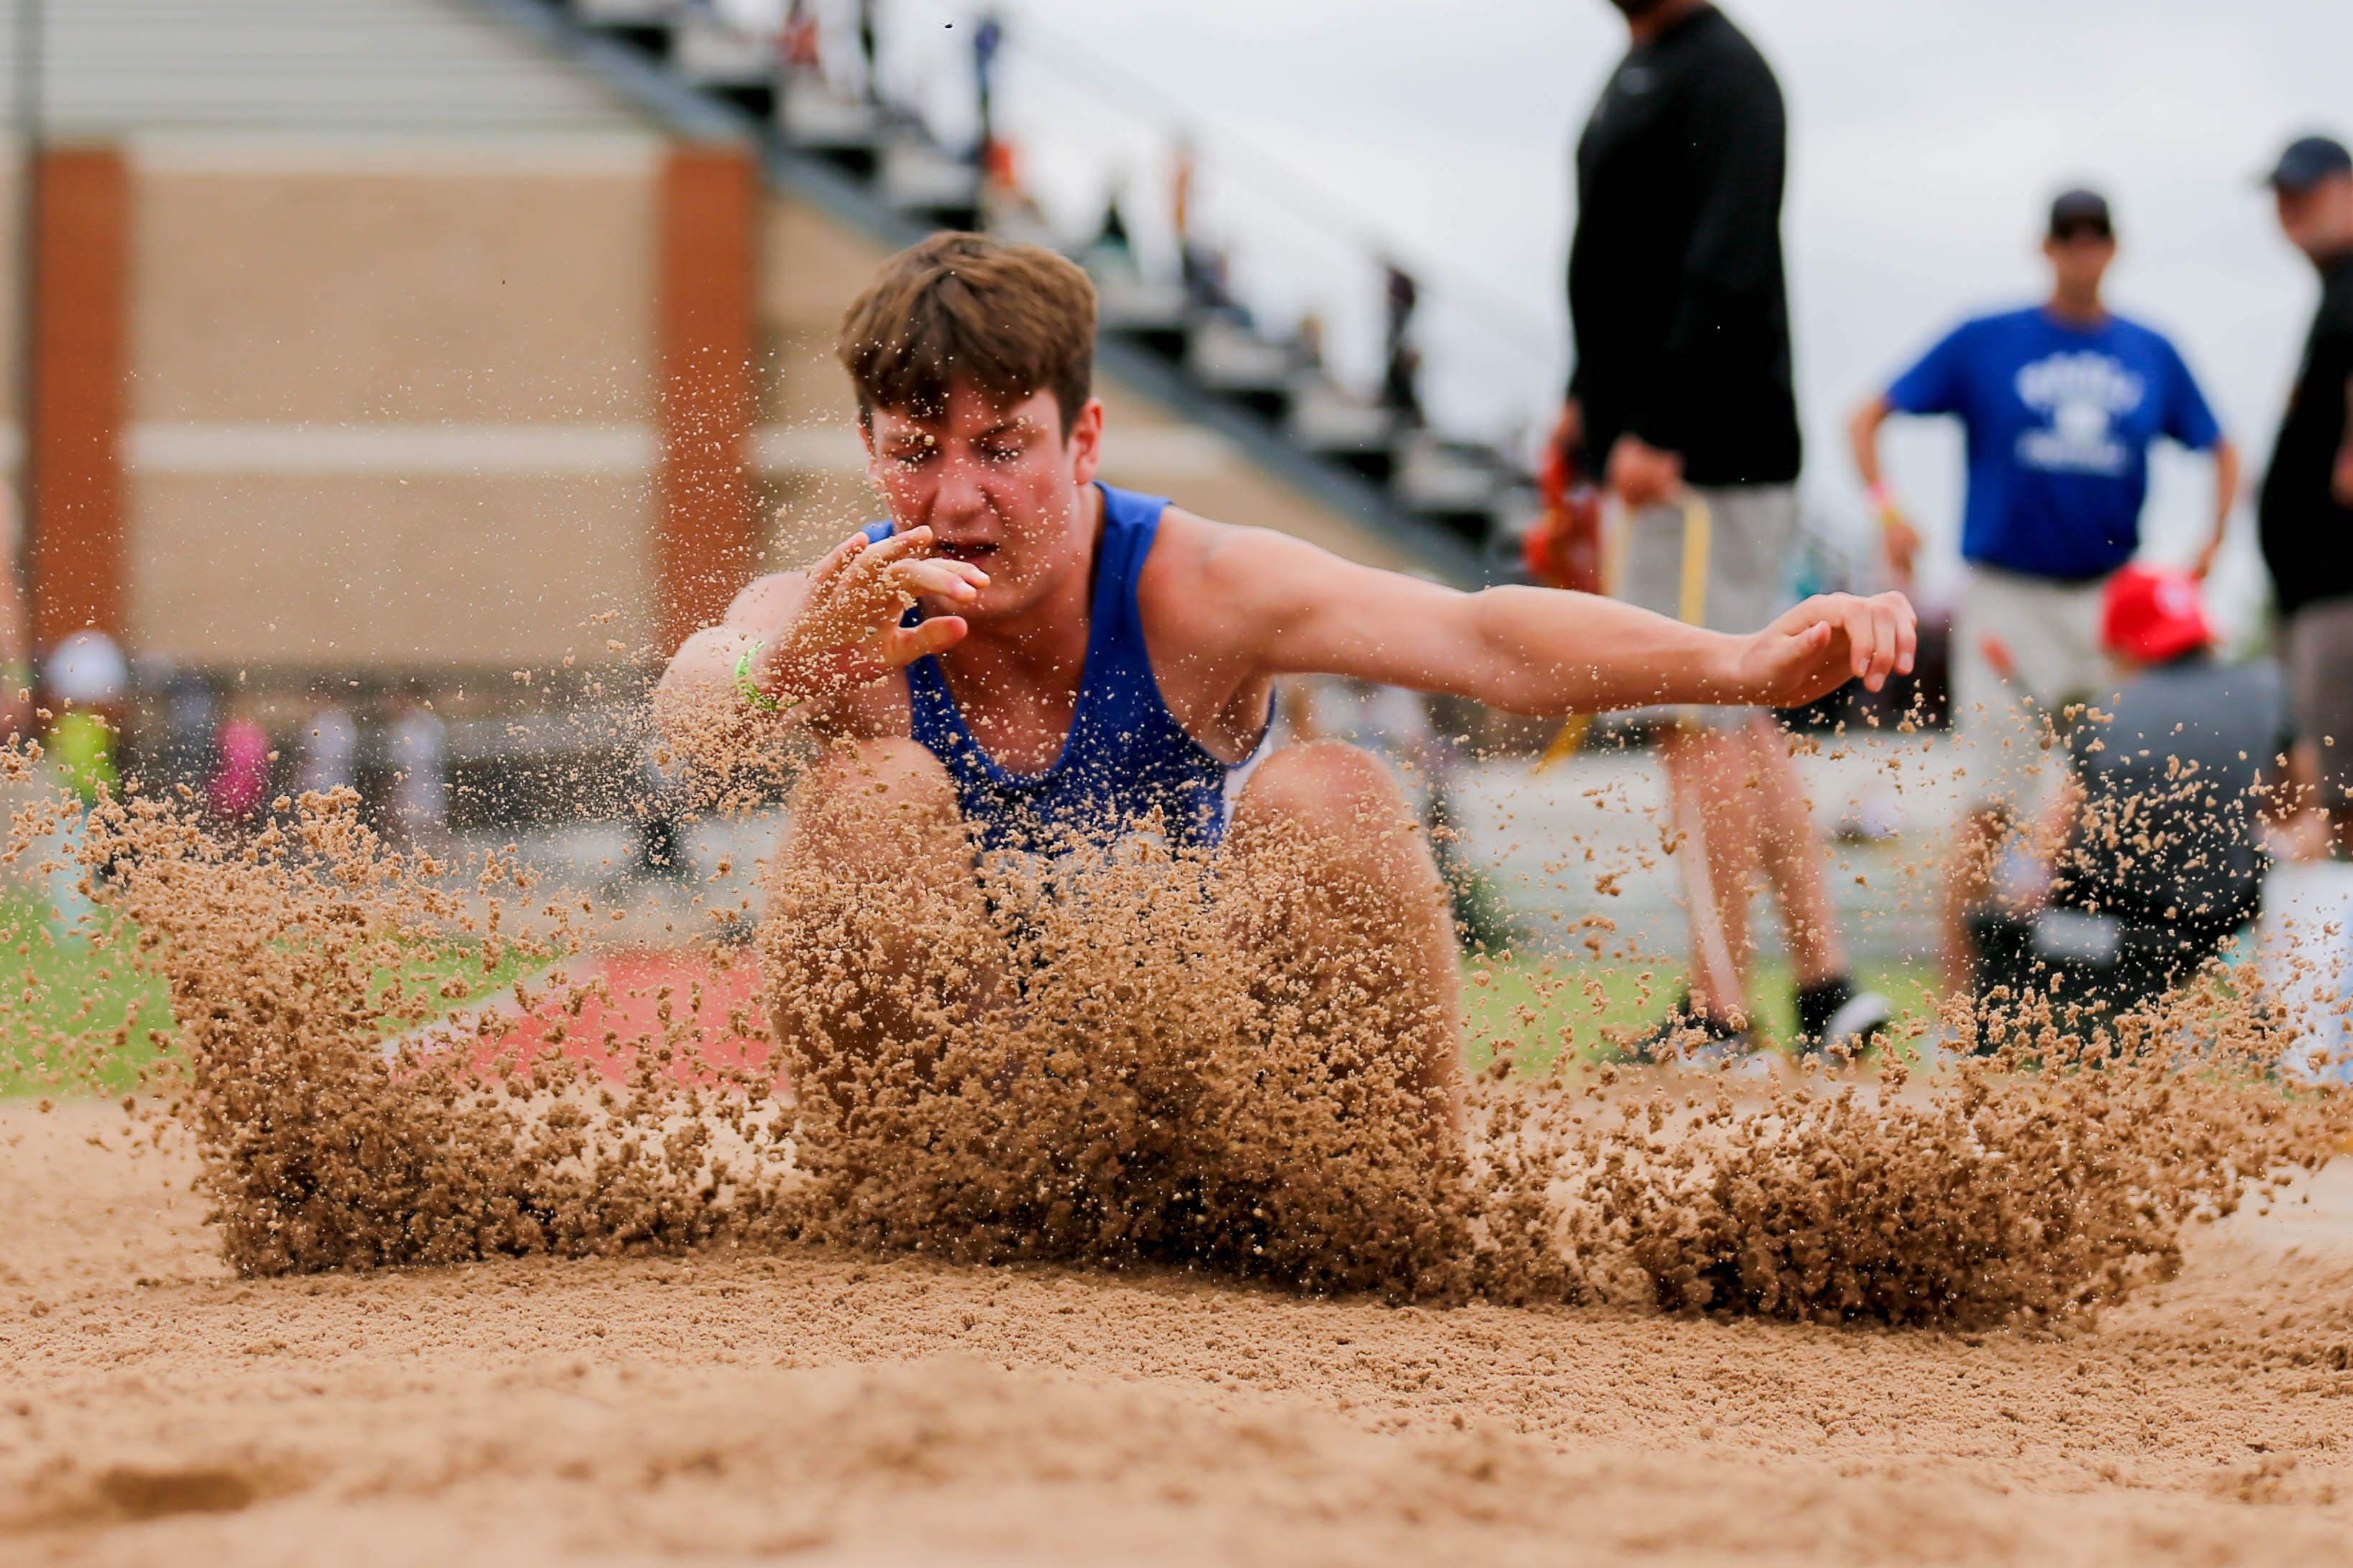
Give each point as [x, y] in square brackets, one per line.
[805, 1404]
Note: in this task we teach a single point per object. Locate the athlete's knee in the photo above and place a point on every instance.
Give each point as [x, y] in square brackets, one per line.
[1324, 786]
[861, 798]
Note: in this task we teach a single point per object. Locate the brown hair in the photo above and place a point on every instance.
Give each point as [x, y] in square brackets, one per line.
[1006, 319]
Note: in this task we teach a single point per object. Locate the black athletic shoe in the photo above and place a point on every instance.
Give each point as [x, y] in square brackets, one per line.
[1686, 1039]
[1834, 1016]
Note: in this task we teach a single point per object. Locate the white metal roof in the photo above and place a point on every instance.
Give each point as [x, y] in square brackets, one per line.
[122, 66]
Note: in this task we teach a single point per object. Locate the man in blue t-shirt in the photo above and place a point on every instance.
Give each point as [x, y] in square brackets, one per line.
[2061, 402]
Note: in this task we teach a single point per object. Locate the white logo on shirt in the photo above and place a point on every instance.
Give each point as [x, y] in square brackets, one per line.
[2081, 394]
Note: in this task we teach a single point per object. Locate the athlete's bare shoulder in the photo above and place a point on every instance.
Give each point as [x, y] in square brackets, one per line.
[1219, 574]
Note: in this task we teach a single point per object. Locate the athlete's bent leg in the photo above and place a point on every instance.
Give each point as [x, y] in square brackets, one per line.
[874, 882]
[1328, 831]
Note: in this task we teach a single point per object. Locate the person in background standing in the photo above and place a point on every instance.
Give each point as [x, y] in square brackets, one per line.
[2306, 507]
[417, 744]
[986, 41]
[2062, 401]
[1400, 361]
[84, 682]
[1683, 386]
[870, 56]
[240, 783]
[328, 753]
[15, 631]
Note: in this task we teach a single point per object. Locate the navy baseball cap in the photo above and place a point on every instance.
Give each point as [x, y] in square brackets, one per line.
[2307, 162]
[2075, 210]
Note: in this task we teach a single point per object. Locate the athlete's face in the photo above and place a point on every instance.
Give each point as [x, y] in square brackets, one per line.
[1000, 487]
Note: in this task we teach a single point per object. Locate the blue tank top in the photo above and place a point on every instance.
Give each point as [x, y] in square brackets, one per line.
[1125, 760]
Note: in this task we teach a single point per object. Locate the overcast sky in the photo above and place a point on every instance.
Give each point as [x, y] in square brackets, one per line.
[1926, 139]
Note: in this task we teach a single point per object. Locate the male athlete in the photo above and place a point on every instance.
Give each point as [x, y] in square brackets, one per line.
[1020, 650]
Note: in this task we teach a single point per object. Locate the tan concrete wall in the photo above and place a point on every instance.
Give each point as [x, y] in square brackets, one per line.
[285, 293]
[382, 572]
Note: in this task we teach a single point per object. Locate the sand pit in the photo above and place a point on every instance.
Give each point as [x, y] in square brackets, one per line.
[1160, 1263]
[824, 1406]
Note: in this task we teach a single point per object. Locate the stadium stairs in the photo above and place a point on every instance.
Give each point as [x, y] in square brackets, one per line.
[1451, 507]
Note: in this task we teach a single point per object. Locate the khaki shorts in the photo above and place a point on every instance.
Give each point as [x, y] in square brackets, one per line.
[2023, 648]
[1750, 530]
[2319, 639]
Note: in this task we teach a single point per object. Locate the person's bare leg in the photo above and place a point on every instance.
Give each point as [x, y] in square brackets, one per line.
[874, 876]
[1792, 854]
[1710, 770]
[1335, 819]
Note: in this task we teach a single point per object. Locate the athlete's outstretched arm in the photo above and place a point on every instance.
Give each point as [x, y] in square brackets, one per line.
[1300, 610]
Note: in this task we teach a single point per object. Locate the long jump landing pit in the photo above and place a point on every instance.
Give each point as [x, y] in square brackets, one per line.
[829, 1407]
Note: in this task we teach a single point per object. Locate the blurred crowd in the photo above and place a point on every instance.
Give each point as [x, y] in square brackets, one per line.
[101, 718]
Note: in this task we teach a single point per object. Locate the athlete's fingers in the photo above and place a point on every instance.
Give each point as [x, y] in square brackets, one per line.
[955, 580]
[1908, 633]
[871, 583]
[836, 559]
[1887, 645]
[906, 644]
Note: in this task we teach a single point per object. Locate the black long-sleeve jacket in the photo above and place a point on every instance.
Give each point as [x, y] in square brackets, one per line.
[1675, 285]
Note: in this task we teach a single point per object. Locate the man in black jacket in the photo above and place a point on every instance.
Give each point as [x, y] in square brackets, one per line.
[2307, 508]
[1683, 388]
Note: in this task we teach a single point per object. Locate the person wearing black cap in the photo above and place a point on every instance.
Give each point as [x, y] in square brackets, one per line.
[2306, 507]
[2061, 403]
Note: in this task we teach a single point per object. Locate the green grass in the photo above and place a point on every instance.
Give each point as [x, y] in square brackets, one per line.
[49, 987]
[1527, 1001]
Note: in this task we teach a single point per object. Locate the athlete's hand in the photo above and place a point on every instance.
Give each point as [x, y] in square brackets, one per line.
[1643, 475]
[847, 633]
[1825, 642]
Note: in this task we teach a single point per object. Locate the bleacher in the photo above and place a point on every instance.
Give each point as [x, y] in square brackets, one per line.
[1456, 506]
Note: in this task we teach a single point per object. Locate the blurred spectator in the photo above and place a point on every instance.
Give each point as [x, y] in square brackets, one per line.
[240, 781]
[662, 851]
[182, 751]
[1110, 255]
[868, 50]
[1402, 296]
[1209, 280]
[15, 630]
[417, 747]
[2061, 402]
[1402, 386]
[1682, 386]
[84, 682]
[2307, 509]
[328, 752]
[987, 39]
[798, 44]
[1400, 361]
[1183, 164]
[1310, 340]
[2149, 863]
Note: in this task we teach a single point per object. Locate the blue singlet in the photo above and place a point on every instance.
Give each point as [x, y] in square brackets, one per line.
[1126, 759]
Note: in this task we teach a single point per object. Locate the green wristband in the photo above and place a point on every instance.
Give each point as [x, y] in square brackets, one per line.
[747, 685]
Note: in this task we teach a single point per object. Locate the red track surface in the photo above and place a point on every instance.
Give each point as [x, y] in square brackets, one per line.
[726, 1031]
